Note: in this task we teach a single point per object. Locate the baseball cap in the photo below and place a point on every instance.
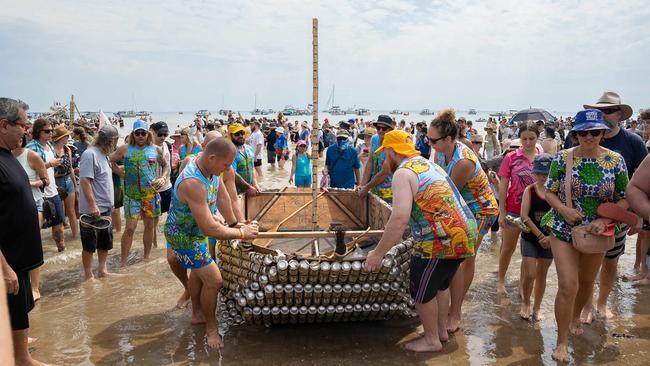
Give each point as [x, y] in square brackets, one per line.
[542, 164]
[160, 126]
[400, 141]
[301, 142]
[139, 124]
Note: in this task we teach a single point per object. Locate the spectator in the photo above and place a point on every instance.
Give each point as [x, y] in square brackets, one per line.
[342, 163]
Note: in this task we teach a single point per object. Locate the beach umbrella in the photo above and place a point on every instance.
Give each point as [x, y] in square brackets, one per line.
[532, 114]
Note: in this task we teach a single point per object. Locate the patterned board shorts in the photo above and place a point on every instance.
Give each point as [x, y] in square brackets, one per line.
[194, 258]
[484, 224]
[141, 208]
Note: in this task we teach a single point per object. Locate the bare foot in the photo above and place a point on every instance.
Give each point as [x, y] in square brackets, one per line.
[109, 274]
[198, 319]
[214, 339]
[501, 289]
[443, 335]
[636, 277]
[538, 316]
[525, 312]
[454, 324]
[586, 317]
[60, 247]
[603, 312]
[576, 329]
[561, 354]
[422, 345]
[642, 282]
[90, 279]
[183, 300]
[36, 295]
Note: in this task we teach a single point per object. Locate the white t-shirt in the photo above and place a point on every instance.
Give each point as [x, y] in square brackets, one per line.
[50, 191]
[166, 156]
[257, 138]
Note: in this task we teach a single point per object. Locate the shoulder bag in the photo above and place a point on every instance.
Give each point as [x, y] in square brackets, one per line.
[582, 240]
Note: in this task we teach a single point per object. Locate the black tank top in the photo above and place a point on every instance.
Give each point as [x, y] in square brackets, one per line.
[538, 208]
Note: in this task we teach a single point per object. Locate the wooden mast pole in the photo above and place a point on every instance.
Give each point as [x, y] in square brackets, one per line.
[315, 126]
[72, 112]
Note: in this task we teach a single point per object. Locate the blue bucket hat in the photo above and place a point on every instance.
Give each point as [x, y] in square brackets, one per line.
[139, 124]
[542, 164]
[589, 119]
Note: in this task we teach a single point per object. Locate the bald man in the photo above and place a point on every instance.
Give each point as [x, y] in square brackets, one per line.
[191, 220]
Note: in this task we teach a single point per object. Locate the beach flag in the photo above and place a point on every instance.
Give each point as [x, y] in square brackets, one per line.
[103, 120]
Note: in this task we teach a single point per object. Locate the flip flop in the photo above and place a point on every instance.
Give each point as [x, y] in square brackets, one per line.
[98, 223]
[615, 212]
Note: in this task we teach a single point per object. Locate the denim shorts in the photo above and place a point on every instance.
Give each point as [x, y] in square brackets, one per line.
[65, 182]
[60, 213]
[39, 204]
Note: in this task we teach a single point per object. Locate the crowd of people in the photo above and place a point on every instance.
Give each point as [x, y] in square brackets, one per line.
[529, 183]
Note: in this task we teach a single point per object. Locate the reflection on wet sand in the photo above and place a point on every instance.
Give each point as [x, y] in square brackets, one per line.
[132, 319]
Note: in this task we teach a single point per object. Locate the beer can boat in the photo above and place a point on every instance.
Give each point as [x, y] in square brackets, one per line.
[295, 273]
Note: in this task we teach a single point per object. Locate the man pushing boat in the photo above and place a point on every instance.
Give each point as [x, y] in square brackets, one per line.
[443, 230]
[189, 223]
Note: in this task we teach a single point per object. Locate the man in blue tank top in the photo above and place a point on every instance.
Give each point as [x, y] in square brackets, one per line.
[189, 224]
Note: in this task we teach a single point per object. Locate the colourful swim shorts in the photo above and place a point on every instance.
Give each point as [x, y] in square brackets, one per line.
[196, 257]
[484, 224]
[141, 208]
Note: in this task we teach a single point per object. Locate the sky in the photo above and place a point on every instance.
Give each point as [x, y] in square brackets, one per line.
[173, 55]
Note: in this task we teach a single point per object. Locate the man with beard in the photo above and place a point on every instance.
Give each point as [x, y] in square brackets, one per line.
[633, 150]
[243, 163]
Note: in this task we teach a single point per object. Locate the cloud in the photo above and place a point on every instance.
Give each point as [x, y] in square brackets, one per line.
[175, 55]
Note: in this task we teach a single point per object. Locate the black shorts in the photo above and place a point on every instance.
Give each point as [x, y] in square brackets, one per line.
[118, 195]
[21, 304]
[165, 200]
[93, 239]
[258, 162]
[534, 250]
[428, 276]
[619, 245]
[270, 156]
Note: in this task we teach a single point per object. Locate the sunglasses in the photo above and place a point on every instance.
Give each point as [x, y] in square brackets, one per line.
[383, 128]
[240, 133]
[610, 110]
[140, 133]
[48, 130]
[163, 134]
[594, 133]
[434, 141]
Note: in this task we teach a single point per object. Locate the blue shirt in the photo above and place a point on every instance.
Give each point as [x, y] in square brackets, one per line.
[341, 162]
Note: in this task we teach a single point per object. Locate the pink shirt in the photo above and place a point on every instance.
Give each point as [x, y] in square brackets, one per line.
[519, 171]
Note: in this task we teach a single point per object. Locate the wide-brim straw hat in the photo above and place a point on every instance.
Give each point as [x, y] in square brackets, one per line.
[609, 100]
[60, 132]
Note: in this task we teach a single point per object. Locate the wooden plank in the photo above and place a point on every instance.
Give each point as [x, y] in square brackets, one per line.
[268, 205]
[328, 212]
[315, 234]
[347, 212]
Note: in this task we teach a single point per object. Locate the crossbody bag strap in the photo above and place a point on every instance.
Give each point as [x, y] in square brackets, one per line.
[567, 178]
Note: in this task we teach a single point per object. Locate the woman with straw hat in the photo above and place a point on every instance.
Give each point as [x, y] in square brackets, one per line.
[66, 181]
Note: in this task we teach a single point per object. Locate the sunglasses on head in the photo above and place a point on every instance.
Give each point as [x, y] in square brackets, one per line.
[610, 110]
[140, 133]
[594, 133]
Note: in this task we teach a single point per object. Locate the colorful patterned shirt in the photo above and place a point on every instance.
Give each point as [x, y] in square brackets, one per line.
[519, 171]
[593, 181]
[476, 192]
[441, 223]
[140, 168]
[181, 230]
[243, 165]
[383, 189]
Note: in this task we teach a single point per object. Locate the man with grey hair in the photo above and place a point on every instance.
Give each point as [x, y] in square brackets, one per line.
[96, 200]
[20, 236]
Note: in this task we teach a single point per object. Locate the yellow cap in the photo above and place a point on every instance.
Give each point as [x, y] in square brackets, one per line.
[234, 128]
[400, 141]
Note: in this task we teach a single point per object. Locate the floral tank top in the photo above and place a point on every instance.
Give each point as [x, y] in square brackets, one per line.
[181, 230]
[477, 192]
[140, 168]
[441, 224]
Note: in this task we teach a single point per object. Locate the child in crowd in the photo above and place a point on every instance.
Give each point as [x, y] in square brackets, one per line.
[535, 245]
[281, 147]
[301, 166]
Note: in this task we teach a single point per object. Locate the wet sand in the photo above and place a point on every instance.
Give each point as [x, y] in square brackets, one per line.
[132, 320]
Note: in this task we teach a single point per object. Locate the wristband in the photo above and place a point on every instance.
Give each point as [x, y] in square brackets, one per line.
[233, 224]
[241, 233]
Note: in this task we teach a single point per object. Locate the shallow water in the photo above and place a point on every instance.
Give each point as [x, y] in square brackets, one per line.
[132, 320]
